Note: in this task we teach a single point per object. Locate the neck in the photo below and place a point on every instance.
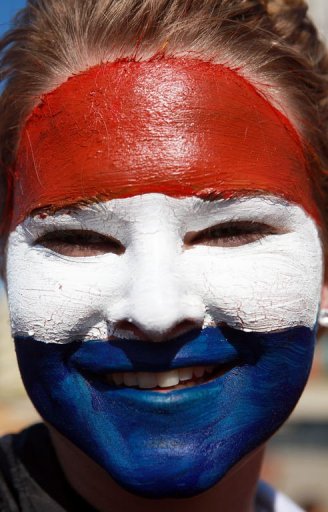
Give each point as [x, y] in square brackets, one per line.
[235, 493]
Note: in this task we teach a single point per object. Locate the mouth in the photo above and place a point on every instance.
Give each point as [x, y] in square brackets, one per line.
[170, 380]
[180, 364]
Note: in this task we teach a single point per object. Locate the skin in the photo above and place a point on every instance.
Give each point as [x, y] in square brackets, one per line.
[100, 490]
[153, 295]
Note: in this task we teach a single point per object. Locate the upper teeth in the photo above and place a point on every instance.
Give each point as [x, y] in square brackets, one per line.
[148, 380]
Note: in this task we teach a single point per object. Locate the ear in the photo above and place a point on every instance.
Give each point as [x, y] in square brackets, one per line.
[323, 314]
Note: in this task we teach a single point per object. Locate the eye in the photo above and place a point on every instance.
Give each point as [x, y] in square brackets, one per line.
[80, 243]
[231, 234]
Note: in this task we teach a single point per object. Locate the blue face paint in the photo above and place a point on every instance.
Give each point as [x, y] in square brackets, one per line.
[177, 443]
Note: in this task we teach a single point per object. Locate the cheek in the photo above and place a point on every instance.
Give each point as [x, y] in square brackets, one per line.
[54, 299]
[262, 287]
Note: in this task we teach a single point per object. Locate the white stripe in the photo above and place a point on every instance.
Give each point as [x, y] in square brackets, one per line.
[268, 285]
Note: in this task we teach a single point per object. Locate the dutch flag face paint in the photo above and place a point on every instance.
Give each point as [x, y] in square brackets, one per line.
[164, 269]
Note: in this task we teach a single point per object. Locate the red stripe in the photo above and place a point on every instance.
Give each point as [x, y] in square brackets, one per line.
[179, 127]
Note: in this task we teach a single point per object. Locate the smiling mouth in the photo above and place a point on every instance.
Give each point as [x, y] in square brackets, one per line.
[179, 378]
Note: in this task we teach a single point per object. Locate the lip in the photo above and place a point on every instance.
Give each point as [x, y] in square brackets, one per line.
[209, 347]
[95, 360]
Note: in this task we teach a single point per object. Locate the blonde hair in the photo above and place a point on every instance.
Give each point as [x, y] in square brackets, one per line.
[271, 40]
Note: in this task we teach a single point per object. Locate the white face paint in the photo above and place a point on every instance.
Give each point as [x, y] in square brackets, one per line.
[164, 275]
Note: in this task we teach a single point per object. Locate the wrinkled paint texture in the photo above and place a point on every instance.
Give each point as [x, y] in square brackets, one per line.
[170, 126]
[172, 133]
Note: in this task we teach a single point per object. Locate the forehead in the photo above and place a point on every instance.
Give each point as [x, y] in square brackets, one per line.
[172, 126]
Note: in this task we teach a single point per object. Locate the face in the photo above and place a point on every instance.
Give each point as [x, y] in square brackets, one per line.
[164, 270]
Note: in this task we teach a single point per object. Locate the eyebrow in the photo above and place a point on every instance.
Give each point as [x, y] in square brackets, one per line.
[235, 194]
[212, 195]
[69, 208]
[208, 196]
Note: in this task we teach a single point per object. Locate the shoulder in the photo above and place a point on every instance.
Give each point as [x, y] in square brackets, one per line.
[10, 478]
[270, 500]
[15, 483]
[31, 478]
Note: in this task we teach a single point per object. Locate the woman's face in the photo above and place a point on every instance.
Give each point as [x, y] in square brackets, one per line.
[164, 269]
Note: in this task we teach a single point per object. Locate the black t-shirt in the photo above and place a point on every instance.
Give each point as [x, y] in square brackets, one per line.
[31, 479]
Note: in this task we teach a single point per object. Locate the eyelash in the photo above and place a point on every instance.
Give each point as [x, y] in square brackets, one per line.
[231, 234]
[82, 243]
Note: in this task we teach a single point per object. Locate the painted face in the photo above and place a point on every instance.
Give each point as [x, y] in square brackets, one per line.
[164, 270]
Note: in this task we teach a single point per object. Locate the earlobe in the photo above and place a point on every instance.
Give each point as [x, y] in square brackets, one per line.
[323, 314]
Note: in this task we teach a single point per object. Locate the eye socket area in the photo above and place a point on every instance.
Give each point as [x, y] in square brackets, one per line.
[231, 234]
[83, 243]
[80, 243]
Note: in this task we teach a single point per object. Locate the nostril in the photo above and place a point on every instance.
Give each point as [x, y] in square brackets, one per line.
[183, 327]
[130, 327]
[144, 334]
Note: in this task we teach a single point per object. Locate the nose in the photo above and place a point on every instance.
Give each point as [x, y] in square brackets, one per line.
[143, 331]
[159, 305]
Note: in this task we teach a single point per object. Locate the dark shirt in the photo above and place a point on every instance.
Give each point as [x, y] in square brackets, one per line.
[31, 479]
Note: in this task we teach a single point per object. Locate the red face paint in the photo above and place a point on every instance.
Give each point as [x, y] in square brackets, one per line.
[172, 126]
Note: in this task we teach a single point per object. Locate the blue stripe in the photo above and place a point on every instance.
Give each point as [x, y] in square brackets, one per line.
[169, 444]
